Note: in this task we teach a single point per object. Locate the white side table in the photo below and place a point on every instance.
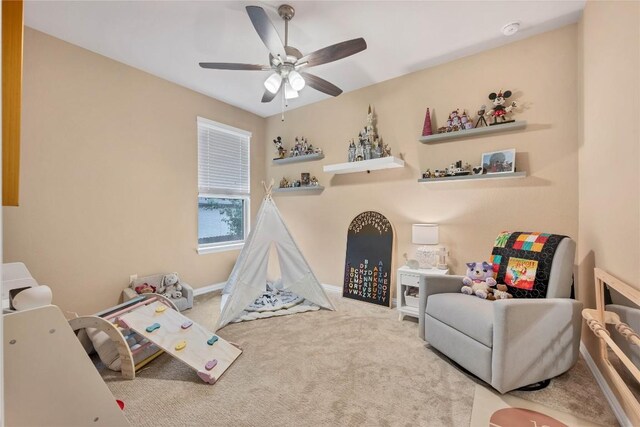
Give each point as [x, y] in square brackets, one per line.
[408, 277]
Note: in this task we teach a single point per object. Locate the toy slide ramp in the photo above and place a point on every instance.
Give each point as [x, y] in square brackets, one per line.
[209, 355]
[49, 380]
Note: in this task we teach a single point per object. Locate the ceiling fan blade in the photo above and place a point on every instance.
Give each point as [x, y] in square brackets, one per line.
[333, 52]
[321, 84]
[232, 66]
[266, 30]
[268, 96]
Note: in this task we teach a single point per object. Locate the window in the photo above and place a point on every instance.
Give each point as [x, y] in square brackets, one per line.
[223, 186]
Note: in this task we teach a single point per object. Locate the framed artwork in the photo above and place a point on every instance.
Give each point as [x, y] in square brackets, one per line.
[305, 178]
[499, 161]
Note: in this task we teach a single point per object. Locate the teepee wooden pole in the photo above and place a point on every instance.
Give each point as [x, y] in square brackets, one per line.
[267, 189]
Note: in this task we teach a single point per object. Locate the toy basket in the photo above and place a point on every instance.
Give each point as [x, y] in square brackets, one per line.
[411, 301]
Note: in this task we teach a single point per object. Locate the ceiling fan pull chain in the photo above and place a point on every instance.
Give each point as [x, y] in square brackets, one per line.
[283, 106]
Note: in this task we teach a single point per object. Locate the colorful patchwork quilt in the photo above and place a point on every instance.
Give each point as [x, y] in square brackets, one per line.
[523, 261]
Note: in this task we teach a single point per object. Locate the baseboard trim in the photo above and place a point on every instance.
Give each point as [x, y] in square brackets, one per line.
[219, 286]
[338, 290]
[604, 386]
[332, 288]
[209, 288]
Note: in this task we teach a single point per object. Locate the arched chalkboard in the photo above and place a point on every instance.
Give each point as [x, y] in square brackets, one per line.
[367, 273]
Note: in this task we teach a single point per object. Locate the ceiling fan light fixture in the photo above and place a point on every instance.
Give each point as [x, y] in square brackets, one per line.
[296, 81]
[272, 84]
[289, 92]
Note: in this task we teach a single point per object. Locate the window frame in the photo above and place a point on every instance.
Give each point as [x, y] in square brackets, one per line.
[207, 248]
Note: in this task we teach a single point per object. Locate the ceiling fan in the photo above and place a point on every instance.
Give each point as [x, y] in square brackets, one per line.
[286, 62]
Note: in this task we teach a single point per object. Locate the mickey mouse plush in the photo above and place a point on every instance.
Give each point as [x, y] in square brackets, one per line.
[499, 110]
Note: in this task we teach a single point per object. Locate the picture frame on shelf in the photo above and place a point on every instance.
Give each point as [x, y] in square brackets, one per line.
[305, 178]
[503, 161]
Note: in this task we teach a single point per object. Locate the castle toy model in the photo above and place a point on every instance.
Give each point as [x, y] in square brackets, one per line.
[301, 147]
[369, 145]
[456, 122]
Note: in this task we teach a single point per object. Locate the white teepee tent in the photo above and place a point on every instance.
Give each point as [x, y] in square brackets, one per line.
[249, 275]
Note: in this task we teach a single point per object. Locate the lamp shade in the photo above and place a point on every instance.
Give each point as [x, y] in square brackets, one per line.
[289, 92]
[424, 234]
[296, 80]
[272, 84]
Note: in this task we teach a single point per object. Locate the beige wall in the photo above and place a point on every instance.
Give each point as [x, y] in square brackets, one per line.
[541, 71]
[609, 154]
[109, 175]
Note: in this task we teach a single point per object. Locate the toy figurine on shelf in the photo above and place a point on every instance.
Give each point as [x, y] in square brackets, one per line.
[284, 182]
[499, 110]
[456, 122]
[386, 151]
[301, 147]
[314, 181]
[480, 113]
[465, 123]
[369, 145]
[279, 147]
[454, 169]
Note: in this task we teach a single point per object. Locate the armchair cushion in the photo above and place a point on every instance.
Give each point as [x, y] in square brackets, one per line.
[470, 316]
[523, 262]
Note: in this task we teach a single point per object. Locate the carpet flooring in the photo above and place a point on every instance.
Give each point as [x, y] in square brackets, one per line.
[357, 366]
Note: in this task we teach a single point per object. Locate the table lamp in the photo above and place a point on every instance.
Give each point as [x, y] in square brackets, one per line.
[427, 235]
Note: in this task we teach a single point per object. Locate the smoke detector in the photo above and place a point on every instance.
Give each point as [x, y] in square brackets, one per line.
[511, 28]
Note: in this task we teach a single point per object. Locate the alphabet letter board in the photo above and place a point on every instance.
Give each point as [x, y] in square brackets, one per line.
[367, 274]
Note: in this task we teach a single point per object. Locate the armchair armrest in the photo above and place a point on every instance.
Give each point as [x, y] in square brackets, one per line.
[187, 292]
[128, 294]
[533, 340]
[431, 285]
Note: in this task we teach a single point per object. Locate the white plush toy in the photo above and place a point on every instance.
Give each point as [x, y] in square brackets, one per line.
[170, 286]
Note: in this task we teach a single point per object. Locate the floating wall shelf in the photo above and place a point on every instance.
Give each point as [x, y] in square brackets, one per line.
[307, 189]
[475, 177]
[298, 159]
[462, 134]
[365, 165]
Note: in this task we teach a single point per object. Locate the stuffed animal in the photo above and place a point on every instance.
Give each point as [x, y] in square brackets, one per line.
[145, 288]
[170, 286]
[502, 292]
[479, 280]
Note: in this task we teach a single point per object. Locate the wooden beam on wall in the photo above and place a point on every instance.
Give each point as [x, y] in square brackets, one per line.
[12, 42]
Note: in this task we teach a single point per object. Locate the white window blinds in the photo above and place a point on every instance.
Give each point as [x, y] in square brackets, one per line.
[223, 159]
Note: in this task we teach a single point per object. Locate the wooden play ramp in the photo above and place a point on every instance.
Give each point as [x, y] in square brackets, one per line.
[209, 355]
[49, 380]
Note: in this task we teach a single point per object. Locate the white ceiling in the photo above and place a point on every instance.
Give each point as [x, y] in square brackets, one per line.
[168, 39]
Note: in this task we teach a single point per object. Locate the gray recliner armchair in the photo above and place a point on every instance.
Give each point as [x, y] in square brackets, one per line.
[508, 343]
